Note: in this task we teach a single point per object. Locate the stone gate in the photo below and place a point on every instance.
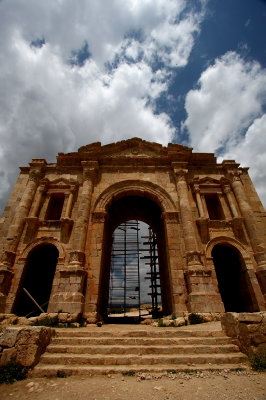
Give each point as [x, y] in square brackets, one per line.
[56, 230]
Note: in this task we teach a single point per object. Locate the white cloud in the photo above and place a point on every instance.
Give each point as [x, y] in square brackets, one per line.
[224, 113]
[252, 152]
[48, 105]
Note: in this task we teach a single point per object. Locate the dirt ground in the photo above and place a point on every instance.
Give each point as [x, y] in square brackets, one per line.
[180, 386]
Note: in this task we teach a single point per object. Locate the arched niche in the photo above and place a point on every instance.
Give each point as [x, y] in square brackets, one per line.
[37, 278]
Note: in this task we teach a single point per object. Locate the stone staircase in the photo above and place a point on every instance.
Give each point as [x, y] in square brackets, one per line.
[107, 350]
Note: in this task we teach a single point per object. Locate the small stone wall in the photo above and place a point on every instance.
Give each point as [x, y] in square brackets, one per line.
[23, 344]
[248, 328]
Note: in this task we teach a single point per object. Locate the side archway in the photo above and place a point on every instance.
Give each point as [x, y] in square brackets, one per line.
[234, 275]
[36, 280]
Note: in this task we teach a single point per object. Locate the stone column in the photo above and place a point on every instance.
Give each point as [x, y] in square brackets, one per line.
[173, 284]
[199, 201]
[228, 193]
[97, 288]
[41, 191]
[16, 229]
[251, 228]
[69, 297]
[69, 203]
[79, 234]
[202, 296]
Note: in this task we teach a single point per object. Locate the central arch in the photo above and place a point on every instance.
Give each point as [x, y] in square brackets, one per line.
[128, 206]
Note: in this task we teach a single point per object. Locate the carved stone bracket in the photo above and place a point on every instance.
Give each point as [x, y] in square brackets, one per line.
[193, 258]
[77, 258]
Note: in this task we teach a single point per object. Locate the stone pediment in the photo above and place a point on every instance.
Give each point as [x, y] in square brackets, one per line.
[58, 183]
[133, 148]
[207, 181]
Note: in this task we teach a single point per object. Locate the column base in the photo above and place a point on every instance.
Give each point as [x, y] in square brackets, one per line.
[71, 302]
[205, 303]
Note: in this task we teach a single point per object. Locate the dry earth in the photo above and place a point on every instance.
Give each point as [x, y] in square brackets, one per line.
[181, 386]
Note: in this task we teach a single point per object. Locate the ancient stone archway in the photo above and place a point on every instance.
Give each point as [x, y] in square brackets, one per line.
[37, 279]
[138, 208]
[201, 203]
[233, 280]
[120, 202]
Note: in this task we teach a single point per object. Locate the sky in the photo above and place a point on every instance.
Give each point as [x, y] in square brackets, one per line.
[73, 72]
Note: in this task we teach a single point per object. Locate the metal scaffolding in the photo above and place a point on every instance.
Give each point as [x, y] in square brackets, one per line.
[126, 289]
[153, 274]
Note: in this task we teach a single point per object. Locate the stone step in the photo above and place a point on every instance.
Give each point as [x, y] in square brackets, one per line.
[93, 341]
[67, 359]
[148, 349]
[156, 333]
[88, 351]
[52, 370]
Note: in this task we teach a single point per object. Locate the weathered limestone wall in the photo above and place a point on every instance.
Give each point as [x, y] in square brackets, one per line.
[24, 344]
[248, 328]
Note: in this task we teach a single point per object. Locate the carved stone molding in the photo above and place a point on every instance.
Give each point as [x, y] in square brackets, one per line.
[198, 272]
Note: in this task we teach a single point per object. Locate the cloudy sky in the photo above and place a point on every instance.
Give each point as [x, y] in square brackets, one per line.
[77, 71]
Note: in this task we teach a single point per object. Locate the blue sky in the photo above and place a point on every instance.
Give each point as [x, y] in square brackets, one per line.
[74, 72]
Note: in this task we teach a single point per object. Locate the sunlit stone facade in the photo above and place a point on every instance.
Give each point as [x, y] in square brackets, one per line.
[56, 229]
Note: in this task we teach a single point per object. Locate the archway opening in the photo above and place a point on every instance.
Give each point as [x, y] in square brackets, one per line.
[134, 281]
[36, 281]
[233, 281]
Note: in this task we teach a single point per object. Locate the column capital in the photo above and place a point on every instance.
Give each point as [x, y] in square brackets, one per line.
[90, 169]
[196, 188]
[179, 171]
[35, 175]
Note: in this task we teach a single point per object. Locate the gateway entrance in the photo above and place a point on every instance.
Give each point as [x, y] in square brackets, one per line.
[134, 289]
[135, 278]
